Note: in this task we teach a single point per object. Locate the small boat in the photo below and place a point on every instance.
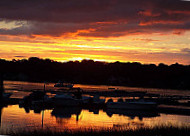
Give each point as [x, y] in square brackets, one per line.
[73, 100]
[86, 99]
[61, 84]
[66, 100]
[35, 98]
[97, 100]
[132, 105]
[93, 102]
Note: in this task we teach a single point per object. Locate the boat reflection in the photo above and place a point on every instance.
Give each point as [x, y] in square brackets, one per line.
[132, 113]
[75, 118]
[29, 108]
[66, 112]
[94, 110]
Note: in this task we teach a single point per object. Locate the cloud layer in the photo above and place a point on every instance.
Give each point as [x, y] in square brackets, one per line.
[96, 18]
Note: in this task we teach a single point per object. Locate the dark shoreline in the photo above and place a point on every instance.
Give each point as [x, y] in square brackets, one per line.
[175, 76]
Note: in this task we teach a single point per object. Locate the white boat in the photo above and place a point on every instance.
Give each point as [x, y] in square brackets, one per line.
[72, 100]
[66, 100]
[97, 100]
[36, 98]
[86, 99]
[132, 105]
[93, 101]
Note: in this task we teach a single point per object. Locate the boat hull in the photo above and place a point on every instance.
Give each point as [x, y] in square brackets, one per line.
[67, 102]
[131, 106]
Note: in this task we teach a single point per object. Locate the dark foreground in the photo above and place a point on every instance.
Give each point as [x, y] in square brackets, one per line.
[144, 131]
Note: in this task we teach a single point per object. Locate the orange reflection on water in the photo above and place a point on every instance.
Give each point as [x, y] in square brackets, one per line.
[13, 117]
[28, 86]
[16, 118]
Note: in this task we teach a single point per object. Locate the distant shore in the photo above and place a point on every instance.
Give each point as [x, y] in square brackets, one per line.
[175, 76]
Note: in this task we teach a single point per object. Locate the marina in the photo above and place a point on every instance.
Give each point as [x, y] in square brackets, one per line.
[39, 109]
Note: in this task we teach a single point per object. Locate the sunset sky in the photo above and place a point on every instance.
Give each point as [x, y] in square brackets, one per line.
[146, 31]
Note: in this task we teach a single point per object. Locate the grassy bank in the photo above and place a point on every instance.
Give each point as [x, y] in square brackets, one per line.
[143, 131]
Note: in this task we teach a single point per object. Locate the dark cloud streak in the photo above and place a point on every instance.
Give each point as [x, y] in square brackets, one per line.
[59, 17]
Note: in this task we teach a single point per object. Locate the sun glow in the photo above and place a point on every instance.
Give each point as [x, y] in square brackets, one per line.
[139, 48]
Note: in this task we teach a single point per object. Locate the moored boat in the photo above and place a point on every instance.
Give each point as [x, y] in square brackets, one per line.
[97, 100]
[36, 98]
[132, 105]
[66, 100]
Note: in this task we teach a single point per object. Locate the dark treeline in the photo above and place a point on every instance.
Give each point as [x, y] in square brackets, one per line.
[92, 72]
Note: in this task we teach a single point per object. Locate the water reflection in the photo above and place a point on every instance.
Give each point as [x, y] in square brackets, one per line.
[132, 113]
[59, 119]
[17, 86]
[29, 108]
[1, 108]
[66, 112]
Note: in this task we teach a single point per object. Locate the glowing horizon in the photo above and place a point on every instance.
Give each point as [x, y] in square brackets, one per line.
[127, 31]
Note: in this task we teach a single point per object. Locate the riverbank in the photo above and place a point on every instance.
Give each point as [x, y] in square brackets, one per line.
[142, 131]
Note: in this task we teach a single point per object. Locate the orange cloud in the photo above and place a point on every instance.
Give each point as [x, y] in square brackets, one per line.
[149, 13]
[186, 12]
[160, 22]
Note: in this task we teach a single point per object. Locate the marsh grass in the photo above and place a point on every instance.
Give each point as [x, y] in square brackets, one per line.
[161, 130]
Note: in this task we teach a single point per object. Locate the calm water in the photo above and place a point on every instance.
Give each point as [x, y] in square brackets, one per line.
[18, 86]
[15, 118]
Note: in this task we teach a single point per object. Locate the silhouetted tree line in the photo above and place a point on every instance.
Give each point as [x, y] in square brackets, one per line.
[93, 72]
